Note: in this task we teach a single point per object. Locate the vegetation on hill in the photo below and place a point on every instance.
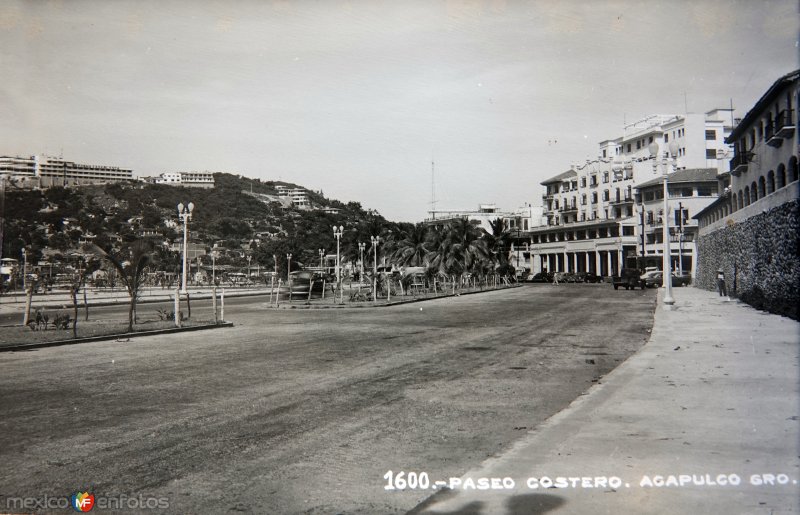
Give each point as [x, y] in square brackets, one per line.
[54, 222]
[236, 227]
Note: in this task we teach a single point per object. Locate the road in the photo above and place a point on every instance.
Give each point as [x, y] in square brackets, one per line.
[305, 411]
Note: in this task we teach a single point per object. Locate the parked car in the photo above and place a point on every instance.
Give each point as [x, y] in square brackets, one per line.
[630, 278]
[592, 277]
[587, 277]
[684, 277]
[651, 278]
[655, 279]
[568, 277]
[541, 277]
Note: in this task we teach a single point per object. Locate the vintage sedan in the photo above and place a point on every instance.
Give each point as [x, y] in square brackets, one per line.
[655, 279]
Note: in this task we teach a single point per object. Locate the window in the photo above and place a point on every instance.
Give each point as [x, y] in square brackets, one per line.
[583, 182]
[627, 230]
[593, 181]
[604, 152]
[711, 153]
[649, 218]
[666, 137]
[650, 139]
[629, 147]
[594, 197]
[638, 144]
[583, 199]
[706, 191]
[606, 195]
[605, 176]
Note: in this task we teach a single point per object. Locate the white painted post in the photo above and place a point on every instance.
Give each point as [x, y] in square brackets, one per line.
[214, 303]
[177, 308]
[222, 305]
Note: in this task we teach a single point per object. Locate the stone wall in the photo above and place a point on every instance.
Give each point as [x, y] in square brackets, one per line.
[760, 257]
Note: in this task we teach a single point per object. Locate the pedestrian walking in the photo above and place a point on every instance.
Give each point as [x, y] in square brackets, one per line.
[723, 292]
[555, 278]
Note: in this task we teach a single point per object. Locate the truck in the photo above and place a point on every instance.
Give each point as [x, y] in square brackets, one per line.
[630, 278]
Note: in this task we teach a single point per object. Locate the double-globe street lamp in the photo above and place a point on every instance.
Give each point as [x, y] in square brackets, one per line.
[337, 232]
[185, 213]
[361, 247]
[666, 275]
[374, 240]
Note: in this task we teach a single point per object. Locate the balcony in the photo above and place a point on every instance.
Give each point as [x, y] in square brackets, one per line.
[569, 209]
[621, 201]
[739, 162]
[784, 125]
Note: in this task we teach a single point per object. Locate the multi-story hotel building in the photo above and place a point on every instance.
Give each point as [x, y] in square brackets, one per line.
[186, 179]
[44, 171]
[298, 196]
[593, 222]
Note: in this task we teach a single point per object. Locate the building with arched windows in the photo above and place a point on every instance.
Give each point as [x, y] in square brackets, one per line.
[750, 231]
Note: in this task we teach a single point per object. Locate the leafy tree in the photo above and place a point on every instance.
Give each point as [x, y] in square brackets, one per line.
[130, 266]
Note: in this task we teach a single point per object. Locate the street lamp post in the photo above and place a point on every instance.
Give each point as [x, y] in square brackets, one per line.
[24, 269]
[185, 213]
[374, 240]
[666, 275]
[321, 255]
[361, 247]
[289, 274]
[516, 244]
[337, 232]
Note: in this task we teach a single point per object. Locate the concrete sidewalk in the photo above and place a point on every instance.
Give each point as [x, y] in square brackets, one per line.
[705, 418]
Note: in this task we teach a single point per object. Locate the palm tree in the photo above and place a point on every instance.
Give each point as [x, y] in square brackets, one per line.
[411, 248]
[497, 241]
[130, 270]
[463, 248]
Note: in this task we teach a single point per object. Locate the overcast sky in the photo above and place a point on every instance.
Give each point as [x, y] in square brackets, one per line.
[355, 98]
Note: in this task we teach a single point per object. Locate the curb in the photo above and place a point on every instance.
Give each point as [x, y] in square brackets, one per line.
[87, 339]
[368, 304]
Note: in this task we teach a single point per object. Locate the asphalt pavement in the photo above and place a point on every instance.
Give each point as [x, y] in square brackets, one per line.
[704, 418]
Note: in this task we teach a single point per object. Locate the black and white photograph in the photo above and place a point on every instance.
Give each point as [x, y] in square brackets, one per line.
[427, 257]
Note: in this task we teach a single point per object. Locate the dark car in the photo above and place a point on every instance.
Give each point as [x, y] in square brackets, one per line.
[568, 277]
[591, 277]
[655, 279]
[541, 277]
[630, 278]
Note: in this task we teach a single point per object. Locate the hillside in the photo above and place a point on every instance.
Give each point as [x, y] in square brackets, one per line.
[52, 222]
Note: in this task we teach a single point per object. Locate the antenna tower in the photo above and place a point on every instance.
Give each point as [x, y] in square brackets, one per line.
[433, 190]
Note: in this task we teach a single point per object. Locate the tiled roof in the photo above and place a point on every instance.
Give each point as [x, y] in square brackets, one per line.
[688, 175]
[560, 177]
[762, 105]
